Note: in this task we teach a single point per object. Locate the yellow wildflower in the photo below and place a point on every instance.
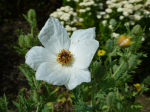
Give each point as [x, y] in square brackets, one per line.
[101, 53]
[138, 87]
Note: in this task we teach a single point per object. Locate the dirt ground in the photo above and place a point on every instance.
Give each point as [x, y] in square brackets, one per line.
[12, 80]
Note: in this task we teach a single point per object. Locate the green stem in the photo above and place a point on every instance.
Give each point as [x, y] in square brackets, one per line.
[93, 91]
[118, 69]
[34, 82]
[129, 54]
[32, 31]
[37, 110]
[111, 55]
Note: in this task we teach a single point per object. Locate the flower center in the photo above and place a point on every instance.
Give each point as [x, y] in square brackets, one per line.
[64, 57]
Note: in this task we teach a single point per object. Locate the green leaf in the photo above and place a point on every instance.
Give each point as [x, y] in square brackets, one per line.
[110, 65]
[25, 17]
[99, 71]
[111, 99]
[27, 74]
[22, 51]
[16, 104]
[47, 108]
[133, 61]
[110, 45]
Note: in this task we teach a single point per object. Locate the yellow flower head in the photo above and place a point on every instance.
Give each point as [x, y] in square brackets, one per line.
[138, 87]
[101, 53]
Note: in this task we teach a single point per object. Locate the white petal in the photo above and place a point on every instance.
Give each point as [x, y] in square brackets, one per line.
[83, 52]
[77, 77]
[38, 55]
[80, 35]
[53, 73]
[54, 32]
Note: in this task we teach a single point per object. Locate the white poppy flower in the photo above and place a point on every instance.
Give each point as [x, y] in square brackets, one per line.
[63, 60]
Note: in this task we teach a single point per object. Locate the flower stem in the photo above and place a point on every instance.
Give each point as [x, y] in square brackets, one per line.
[37, 110]
[32, 31]
[92, 95]
[111, 55]
[118, 69]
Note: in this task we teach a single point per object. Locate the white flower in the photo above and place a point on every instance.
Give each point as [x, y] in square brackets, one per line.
[143, 39]
[82, 10]
[68, 28]
[98, 16]
[104, 22]
[75, 14]
[125, 13]
[127, 24]
[81, 20]
[121, 17]
[63, 60]
[120, 9]
[106, 16]
[108, 10]
[137, 17]
[76, 0]
[88, 8]
[115, 35]
[113, 0]
[62, 22]
[102, 13]
[132, 23]
[73, 28]
[108, 2]
[110, 26]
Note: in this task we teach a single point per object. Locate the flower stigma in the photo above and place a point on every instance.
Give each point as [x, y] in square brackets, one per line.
[64, 57]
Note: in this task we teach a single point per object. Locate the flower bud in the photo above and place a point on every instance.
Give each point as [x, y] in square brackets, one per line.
[110, 45]
[29, 40]
[136, 29]
[21, 40]
[124, 41]
[31, 14]
[113, 22]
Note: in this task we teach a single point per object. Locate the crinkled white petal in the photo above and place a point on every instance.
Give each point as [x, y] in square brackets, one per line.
[77, 77]
[53, 73]
[54, 32]
[83, 52]
[38, 55]
[80, 35]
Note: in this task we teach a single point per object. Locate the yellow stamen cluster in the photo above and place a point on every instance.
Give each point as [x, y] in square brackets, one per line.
[101, 53]
[64, 57]
[138, 87]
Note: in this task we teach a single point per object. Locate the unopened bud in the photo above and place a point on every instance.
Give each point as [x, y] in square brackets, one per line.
[31, 14]
[29, 40]
[124, 41]
[136, 29]
[21, 40]
[113, 22]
